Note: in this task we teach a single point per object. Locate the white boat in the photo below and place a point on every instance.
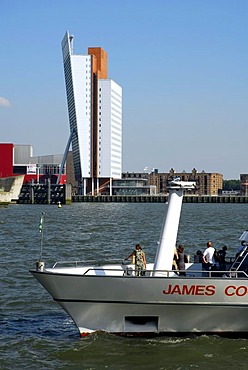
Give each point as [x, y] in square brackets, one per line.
[112, 298]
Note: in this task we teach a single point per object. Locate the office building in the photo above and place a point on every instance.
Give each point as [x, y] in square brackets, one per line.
[95, 117]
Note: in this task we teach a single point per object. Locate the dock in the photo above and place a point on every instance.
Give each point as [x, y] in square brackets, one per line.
[158, 199]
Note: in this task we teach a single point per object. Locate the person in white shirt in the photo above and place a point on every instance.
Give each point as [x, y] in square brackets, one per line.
[208, 257]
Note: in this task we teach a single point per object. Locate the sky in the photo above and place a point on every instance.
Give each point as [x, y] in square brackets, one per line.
[182, 65]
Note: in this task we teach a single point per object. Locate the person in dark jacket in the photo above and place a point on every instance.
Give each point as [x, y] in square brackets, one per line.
[222, 256]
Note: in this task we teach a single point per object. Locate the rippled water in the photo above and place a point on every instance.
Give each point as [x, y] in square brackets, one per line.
[36, 333]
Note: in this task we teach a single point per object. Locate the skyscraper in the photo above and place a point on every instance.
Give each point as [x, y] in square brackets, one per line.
[95, 116]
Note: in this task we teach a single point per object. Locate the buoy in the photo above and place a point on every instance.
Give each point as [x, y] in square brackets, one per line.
[59, 205]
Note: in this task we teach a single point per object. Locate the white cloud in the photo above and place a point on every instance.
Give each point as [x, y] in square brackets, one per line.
[4, 102]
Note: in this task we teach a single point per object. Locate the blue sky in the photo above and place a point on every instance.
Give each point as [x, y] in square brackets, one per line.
[182, 65]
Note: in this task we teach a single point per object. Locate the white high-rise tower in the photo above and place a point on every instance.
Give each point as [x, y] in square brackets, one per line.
[95, 117]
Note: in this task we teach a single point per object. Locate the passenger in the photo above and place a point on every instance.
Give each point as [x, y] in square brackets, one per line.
[140, 260]
[217, 260]
[198, 257]
[241, 248]
[175, 259]
[181, 260]
[222, 256]
[208, 257]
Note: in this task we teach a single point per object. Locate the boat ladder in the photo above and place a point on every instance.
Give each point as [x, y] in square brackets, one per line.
[239, 259]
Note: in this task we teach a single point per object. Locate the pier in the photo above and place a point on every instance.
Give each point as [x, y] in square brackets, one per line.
[158, 199]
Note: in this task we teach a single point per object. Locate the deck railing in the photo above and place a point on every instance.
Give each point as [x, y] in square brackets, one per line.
[130, 270]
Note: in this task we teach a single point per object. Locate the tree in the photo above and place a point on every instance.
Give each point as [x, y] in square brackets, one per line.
[231, 184]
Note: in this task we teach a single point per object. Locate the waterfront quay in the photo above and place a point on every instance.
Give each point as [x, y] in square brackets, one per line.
[158, 199]
[45, 194]
[54, 194]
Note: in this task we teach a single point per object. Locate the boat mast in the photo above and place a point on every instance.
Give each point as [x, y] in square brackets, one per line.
[168, 236]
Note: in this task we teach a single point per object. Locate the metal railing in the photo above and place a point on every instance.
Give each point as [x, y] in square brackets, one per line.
[130, 270]
[81, 263]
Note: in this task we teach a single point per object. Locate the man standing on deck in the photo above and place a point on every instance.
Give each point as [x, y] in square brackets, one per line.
[208, 257]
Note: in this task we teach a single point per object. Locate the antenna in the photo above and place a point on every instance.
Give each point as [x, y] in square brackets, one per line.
[41, 229]
[40, 264]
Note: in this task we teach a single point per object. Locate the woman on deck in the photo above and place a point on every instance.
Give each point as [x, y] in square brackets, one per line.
[139, 259]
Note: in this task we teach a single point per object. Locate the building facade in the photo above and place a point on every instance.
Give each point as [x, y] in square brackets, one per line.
[95, 117]
[133, 187]
[206, 183]
[244, 184]
[16, 159]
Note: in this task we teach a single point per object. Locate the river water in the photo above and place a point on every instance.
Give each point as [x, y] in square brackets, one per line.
[36, 333]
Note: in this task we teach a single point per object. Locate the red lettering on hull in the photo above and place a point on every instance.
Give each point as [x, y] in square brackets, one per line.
[190, 290]
[239, 291]
[205, 290]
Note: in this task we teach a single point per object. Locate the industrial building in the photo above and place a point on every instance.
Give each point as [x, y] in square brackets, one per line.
[16, 159]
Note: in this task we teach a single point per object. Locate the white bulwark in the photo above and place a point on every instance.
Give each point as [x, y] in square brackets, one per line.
[95, 116]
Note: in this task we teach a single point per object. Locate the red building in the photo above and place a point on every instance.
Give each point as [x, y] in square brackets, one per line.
[18, 160]
[6, 160]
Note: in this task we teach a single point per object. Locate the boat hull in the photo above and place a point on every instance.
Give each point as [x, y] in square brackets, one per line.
[150, 305]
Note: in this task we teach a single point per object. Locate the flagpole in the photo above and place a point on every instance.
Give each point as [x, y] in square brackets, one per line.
[41, 228]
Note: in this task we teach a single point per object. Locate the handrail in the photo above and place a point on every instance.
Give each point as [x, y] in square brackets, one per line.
[76, 263]
[167, 273]
[98, 269]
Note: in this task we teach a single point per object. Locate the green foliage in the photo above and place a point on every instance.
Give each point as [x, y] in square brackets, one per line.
[231, 184]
